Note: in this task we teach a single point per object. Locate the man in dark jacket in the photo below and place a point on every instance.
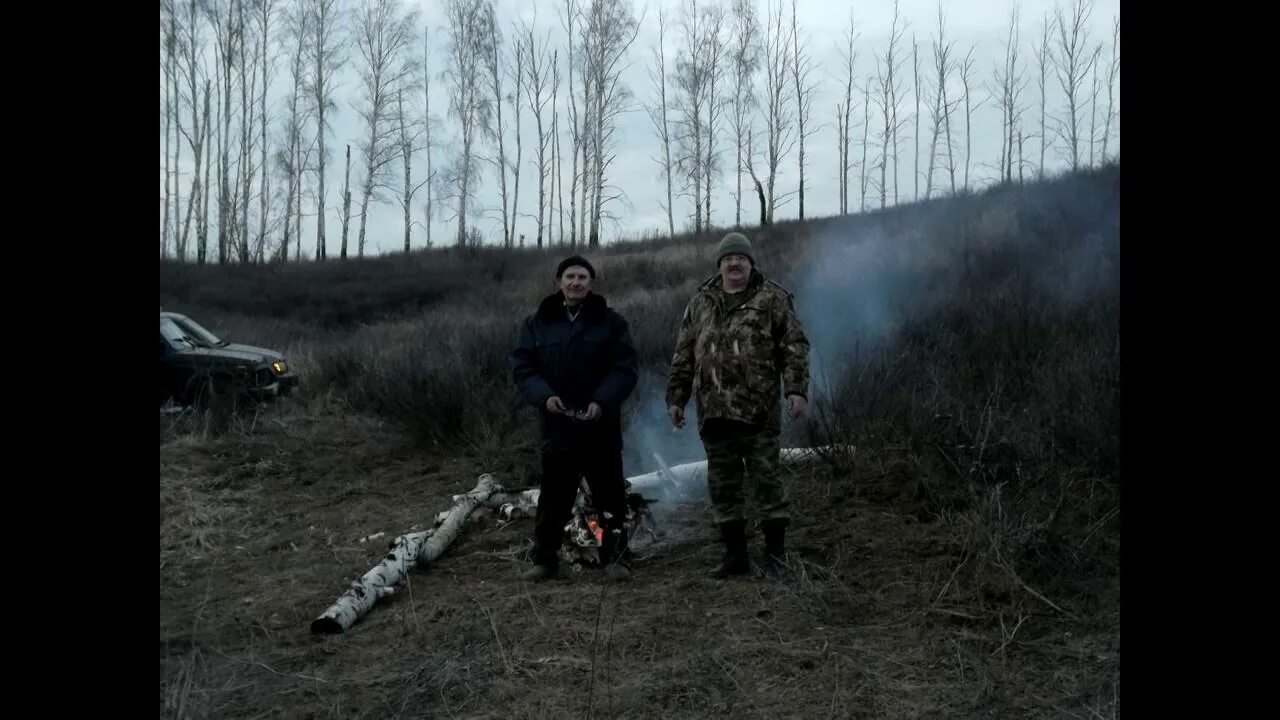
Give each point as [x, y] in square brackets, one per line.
[575, 362]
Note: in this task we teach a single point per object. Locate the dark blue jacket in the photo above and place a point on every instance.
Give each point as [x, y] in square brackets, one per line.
[588, 360]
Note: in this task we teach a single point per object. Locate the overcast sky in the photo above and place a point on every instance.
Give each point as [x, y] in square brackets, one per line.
[970, 23]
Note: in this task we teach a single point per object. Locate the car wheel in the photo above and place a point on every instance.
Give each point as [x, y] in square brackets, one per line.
[204, 391]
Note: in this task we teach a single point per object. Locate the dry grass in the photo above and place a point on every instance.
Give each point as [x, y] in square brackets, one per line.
[873, 623]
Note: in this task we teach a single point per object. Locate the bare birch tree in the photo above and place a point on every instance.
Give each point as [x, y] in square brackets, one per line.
[290, 158]
[745, 55]
[428, 123]
[755, 180]
[265, 15]
[1041, 51]
[585, 182]
[384, 35]
[611, 28]
[558, 172]
[189, 77]
[716, 52]
[842, 151]
[325, 55]
[209, 126]
[780, 132]
[806, 88]
[947, 105]
[1009, 84]
[866, 126]
[915, 135]
[1113, 72]
[250, 56]
[537, 80]
[1093, 105]
[494, 68]
[169, 74]
[409, 122]
[887, 99]
[691, 82]
[515, 71]
[1072, 60]
[572, 15]
[1021, 164]
[940, 113]
[659, 117]
[408, 131]
[227, 34]
[844, 112]
[346, 204]
[468, 48]
[966, 77]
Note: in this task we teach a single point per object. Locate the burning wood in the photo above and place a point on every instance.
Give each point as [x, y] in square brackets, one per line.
[584, 532]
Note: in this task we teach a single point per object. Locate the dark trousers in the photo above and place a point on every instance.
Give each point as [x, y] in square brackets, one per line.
[561, 471]
[737, 453]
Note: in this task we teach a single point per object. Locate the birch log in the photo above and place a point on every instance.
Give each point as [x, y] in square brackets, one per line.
[686, 481]
[406, 551]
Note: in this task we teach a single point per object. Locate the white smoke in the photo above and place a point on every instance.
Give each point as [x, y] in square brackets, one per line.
[647, 429]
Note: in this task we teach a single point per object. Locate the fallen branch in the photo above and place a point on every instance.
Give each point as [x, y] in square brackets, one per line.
[406, 551]
[1009, 569]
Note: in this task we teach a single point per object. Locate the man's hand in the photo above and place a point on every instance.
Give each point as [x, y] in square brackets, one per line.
[796, 405]
[676, 414]
[554, 406]
[593, 411]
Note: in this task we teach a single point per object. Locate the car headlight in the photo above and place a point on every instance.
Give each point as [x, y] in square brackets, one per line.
[279, 366]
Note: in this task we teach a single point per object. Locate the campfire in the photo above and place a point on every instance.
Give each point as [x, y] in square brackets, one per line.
[585, 531]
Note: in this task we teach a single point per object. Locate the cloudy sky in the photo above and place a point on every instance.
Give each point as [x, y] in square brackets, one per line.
[980, 24]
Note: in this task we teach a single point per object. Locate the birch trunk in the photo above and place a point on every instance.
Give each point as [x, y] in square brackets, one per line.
[346, 205]
[686, 481]
[420, 548]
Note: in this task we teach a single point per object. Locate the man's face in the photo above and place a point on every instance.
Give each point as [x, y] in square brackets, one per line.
[575, 283]
[735, 268]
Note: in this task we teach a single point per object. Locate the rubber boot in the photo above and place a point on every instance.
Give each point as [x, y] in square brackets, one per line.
[775, 547]
[735, 562]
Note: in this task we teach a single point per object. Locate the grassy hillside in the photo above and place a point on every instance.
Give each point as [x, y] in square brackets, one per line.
[963, 560]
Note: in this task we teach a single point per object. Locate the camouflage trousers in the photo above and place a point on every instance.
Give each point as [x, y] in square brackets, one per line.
[739, 455]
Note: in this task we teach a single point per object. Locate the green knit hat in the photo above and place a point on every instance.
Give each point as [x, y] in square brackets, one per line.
[735, 243]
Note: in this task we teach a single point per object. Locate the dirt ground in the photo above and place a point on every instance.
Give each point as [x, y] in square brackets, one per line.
[261, 531]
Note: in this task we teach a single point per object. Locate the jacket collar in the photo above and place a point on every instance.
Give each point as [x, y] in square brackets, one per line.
[552, 309]
[715, 283]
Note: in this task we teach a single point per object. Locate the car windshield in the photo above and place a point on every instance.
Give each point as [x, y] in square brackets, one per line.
[186, 329]
[174, 334]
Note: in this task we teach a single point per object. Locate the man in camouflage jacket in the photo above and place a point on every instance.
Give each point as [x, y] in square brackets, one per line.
[740, 348]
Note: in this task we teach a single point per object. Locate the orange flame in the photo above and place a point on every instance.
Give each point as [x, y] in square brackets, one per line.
[596, 530]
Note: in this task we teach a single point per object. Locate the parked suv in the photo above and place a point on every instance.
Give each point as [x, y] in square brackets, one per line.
[194, 362]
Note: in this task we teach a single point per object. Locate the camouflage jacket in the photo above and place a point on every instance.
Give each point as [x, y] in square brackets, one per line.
[738, 363]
